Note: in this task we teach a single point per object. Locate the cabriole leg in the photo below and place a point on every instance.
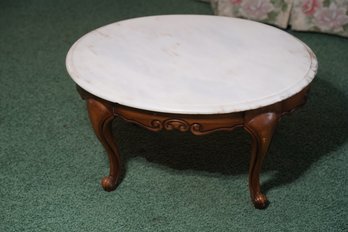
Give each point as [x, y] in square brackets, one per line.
[261, 128]
[101, 116]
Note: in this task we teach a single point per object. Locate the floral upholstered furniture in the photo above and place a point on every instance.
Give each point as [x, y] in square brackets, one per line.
[275, 12]
[323, 16]
[328, 16]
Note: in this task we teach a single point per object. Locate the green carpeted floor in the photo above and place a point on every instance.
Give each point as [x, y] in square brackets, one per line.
[51, 163]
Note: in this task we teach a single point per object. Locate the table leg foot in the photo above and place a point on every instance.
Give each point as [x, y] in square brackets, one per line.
[109, 183]
[261, 128]
[260, 201]
[101, 116]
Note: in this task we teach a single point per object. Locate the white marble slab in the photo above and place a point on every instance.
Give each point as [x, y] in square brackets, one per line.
[191, 64]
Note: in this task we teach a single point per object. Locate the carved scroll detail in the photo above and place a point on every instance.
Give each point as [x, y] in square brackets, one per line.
[155, 125]
[183, 125]
[176, 124]
[196, 129]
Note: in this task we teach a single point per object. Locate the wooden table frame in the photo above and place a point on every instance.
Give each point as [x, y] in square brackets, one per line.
[259, 123]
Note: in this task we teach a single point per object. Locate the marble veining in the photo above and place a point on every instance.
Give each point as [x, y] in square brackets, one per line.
[191, 64]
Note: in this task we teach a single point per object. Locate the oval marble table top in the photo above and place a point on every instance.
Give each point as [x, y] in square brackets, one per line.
[191, 64]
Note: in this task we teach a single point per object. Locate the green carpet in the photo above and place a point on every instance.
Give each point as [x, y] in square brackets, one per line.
[51, 162]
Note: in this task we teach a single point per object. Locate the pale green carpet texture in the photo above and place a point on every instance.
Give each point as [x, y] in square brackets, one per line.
[51, 163]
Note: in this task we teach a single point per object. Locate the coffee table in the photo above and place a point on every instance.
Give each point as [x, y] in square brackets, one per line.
[191, 73]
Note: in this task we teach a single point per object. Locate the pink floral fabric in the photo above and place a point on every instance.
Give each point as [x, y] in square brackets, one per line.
[329, 16]
[256, 9]
[274, 12]
[310, 6]
[321, 15]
